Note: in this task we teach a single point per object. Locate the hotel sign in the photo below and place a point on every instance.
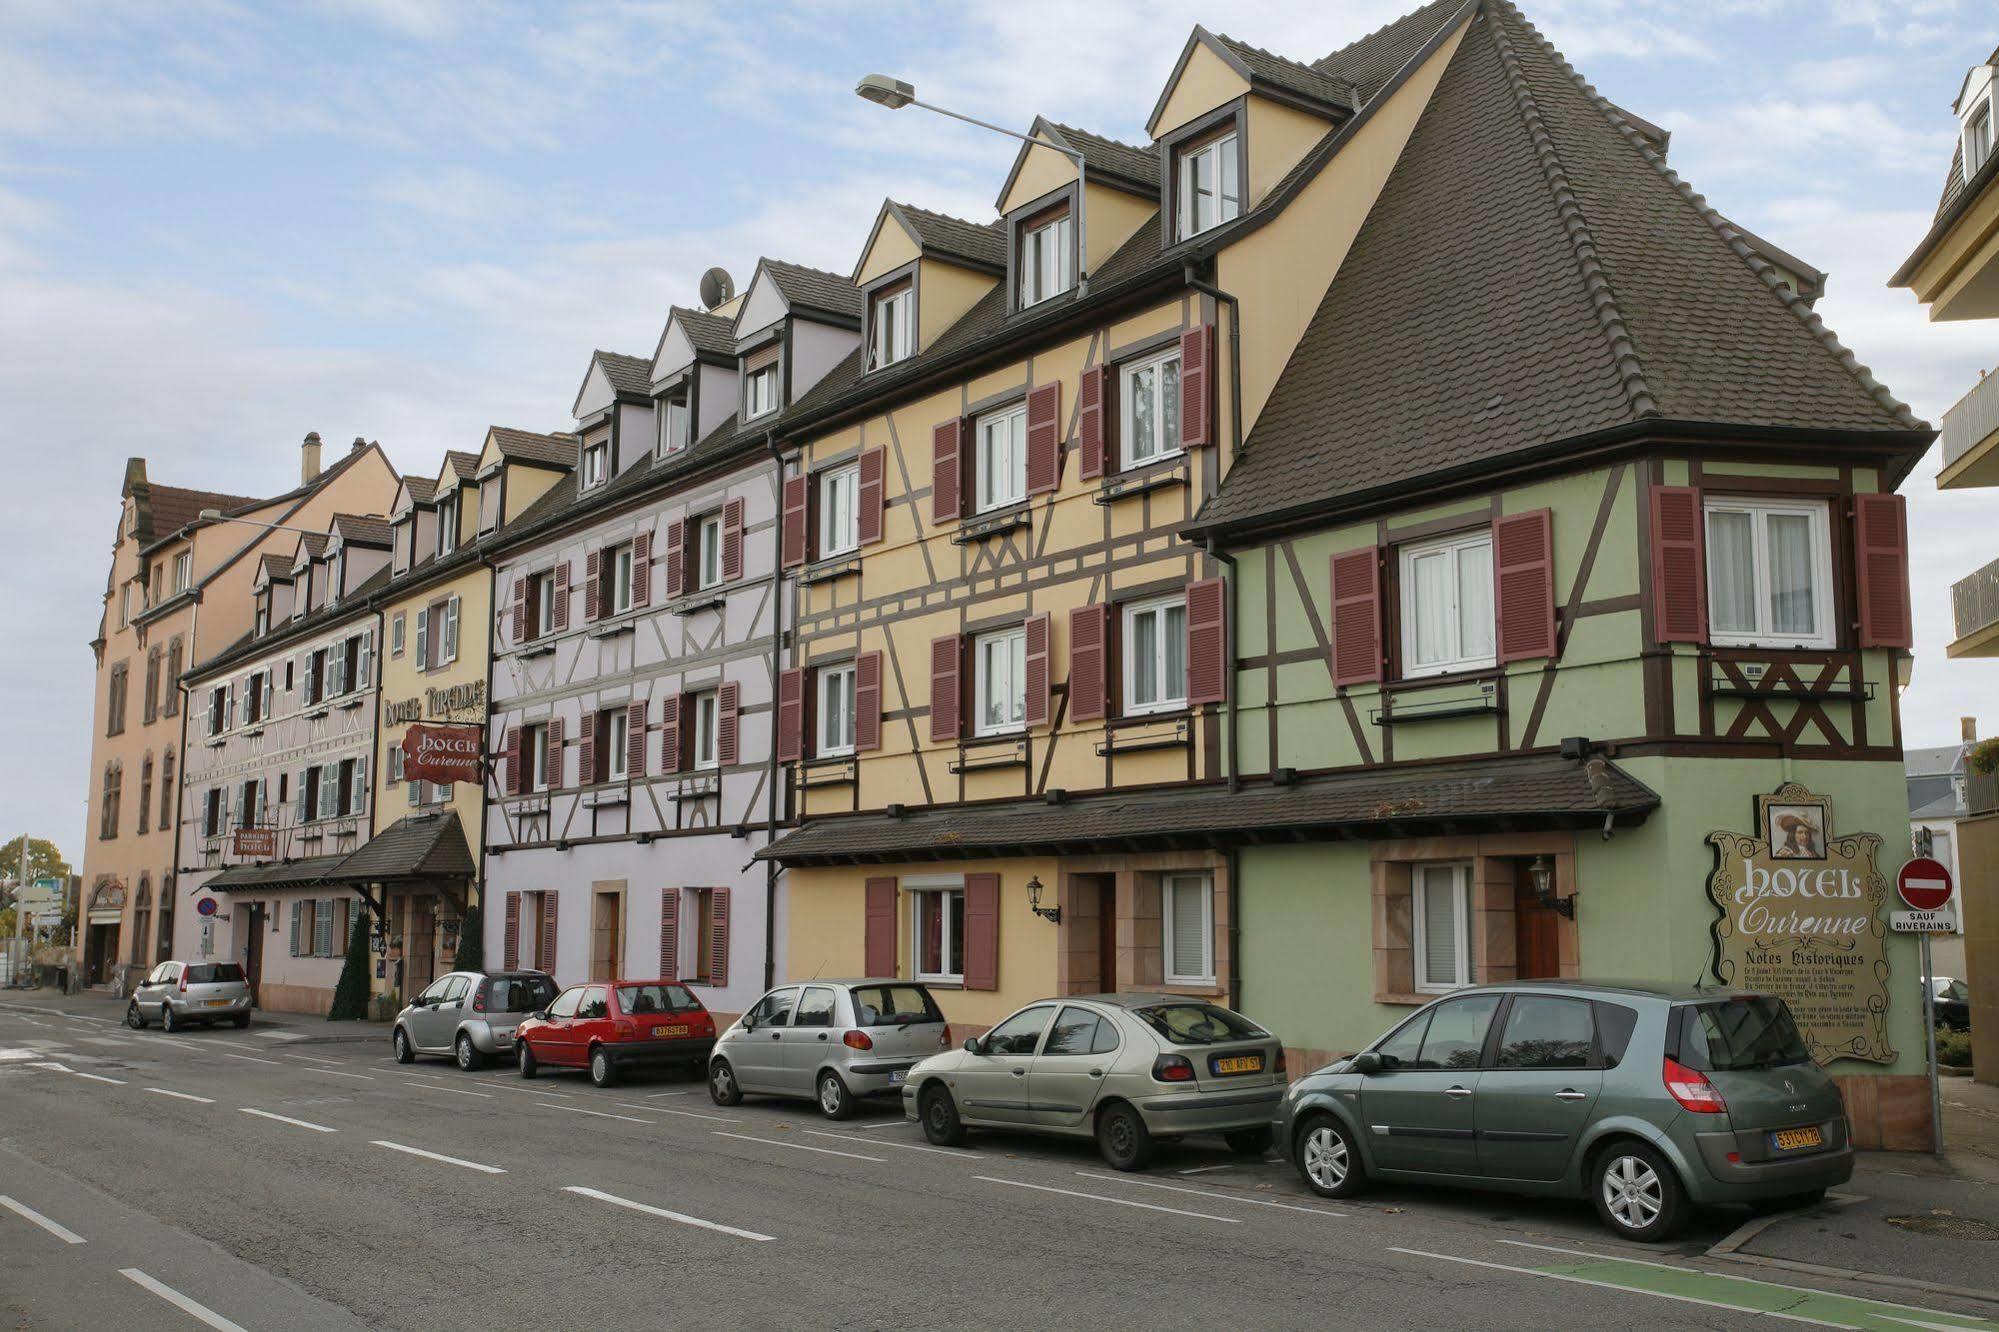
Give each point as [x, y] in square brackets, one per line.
[438, 702]
[1800, 916]
[438, 753]
[257, 843]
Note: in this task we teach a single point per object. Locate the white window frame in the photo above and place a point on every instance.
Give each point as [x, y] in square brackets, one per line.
[1977, 151]
[1046, 260]
[1460, 888]
[892, 328]
[1760, 511]
[447, 632]
[398, 633]
[760, 392]
[1158, 606]
[1169, 886]
[707, 710]
[596, 464]
[1218, 156]
[1406, 557]
[1014, 419]
[534, 752]
[830, 679]
[183, 570]
[918, 889]
[621, 579]
[675, 410]
[707, 536]
[447, 527]
[1016, 669]
[1128, 377]
[617, 740]
[840, 511]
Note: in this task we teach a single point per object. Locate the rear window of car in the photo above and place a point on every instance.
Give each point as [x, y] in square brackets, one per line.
[1197, 1024]
[520, 994]
[213, 973]
[656, 998]
[1741, 1034]
[894, 1006]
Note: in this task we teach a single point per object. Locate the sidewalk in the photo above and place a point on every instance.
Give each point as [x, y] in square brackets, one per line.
[291, 1028]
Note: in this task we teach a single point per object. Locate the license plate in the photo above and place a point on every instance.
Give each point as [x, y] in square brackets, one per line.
[678, 1029]
[896, 1077]
[1249, 1063]
[1790, 1140]
[216, 1003]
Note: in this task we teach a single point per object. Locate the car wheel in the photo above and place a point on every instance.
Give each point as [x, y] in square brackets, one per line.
[940, 1117]
[242, 1022]
[168, 1022]
[603, 1072]
[722, 1088]
[405, 1052]
[1249, 1142]
[469, 1057]
[133, 1017]
[1123, 1139]
[1327, 1160]
[1636, 1192]
[835, 1102]
[524, 1059]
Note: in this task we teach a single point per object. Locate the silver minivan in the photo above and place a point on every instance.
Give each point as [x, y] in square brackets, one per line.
[470, 1015]
[180, 993]
[832, 1041]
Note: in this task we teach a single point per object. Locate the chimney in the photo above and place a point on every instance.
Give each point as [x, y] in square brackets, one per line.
[359, 444]
[1970, 729]
[308, 459]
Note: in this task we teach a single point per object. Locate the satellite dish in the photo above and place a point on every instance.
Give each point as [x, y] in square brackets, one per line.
[716, 287]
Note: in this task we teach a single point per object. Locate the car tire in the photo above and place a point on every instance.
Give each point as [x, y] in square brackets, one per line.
[603, 1072]
[469, 1058]
[835, 1101]
[1637, 1195]
[941, 1124]
[722, 1088]
[168, 1022]
[1249, 1142]
[1327, 1159]
[405, 1052]
[133, 1017]
[242, 1022]
[524, 1059]
[1123, 1139]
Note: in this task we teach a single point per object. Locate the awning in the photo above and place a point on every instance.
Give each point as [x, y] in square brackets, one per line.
[420, 846]
[1489, 795]
[273, 874]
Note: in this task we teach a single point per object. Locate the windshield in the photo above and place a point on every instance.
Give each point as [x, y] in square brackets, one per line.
[894, 1005]
[641, 999]
[1197, 1024]
[1736, 1035]
[213, 973]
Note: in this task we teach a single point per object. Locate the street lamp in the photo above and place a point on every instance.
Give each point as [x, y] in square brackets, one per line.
[896, 94]
[1053, 915]
[217, 516]
[1542, 875]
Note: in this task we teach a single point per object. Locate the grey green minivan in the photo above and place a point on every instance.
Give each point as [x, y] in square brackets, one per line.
[1645, 1099]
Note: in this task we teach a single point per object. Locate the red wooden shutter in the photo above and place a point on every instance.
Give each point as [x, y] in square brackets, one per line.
[791, 714]
[947, 471]
[561, 597]
[1197, 387]
[586, 750]
[1035, 706]
[549, 903]
[676, 558]
[797, 500]
[557, 769]
[947, 657]
[728, 728]
[671, 756]
[521, 611]
[669, 934]
[1089, 660]
[982, 931]
[642, 569]
[868, 701]
[1044, 438]
[718, 937]
[513, 780]
[1207, 641]
[593, 568]
[1523, 575]
[1357, 616]
[1679, 565]
[872, 499]
[635, 738]
[510, 948]
[732, 540]
[1881, 568]
[1092, 420]
[879, 948]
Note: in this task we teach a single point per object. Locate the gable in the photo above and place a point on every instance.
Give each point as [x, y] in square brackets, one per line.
[1040, 171]
[889, 248]
[1203, 82]
[595, 395]
[676, 352]
[763, 305]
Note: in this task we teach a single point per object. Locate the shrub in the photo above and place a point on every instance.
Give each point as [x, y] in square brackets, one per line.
[471, 942]
[350, 996]
[1954, 1047]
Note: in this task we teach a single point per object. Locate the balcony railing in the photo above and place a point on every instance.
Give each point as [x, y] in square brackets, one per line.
[1981, 791]
[1974, 601]
[1972, 420]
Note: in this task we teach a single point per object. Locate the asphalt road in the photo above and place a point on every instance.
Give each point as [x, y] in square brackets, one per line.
[247, 1179]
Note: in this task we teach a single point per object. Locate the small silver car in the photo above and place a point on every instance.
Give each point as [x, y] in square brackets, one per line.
[470, 1015]
[1126, 1069]
[181, 993]
[833, 1041]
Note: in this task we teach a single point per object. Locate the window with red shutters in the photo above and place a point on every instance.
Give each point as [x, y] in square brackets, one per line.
[718, 945]
[1035, 709]
[947, 471]
[560, 613]
[593, 590]
[520, 610]
[1093, 398]
[558, 774]
[878, 949]
[1523, 557]
[728, 724]
[732, 540]
[1207, 641]
[676, 558]
[1679, 565]
[982, 931]
[586, 752]
[1197, 387]
[869, 507]
[673, 731]
[947, 689]
[868, 700]
[791, 714]
[1881, 569]
[797, 503]
[550, 908]
[669, 934]
[635, 739]
[1089, 662]
[642, 568]
[1044, 438]
[510, 947]
[1357, 616]
[515, 780]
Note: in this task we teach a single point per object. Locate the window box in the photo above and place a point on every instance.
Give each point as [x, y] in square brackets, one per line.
[528, 806]
[609, 798]
[708, 598]
[1485, 703]
[825, 571]
[702, 786]
[1136, 735]
[976, 757]
[350, 703]
[539, 649]
[844, 771]
[1130, 485]
[613, 628]
[992, 524]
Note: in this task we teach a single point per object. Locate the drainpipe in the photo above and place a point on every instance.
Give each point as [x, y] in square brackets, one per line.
[771, 770]
[1235, 352]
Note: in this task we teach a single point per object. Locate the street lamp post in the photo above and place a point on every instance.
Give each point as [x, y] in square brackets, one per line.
[896, 94]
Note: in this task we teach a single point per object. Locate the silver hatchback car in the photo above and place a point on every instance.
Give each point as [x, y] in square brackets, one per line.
[833, 1041]
[182, 993]
[470, 1015]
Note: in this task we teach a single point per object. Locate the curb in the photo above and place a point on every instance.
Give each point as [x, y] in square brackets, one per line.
[1727, 1250]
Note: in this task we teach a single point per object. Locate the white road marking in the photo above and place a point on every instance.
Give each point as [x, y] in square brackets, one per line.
[881, 1124]
[1204, 1193]
[438, 1156]
[684, 1114]
[1099, 1197]
[180, 1096]
[455, 1091]
[310, 1059]
[199, 1312]
[1203, 1170]
[681, 1217]
[286, 1119]
[601, 1114]
[1610, 1285]
[654, 1096]
[31, 1022]
[11, 1053]
[336, 1073]
[53, 1066]
[905, 1146]
[99, 1077]
[248, 1059]
[61, 1232]
[802, 1147]
[530, 1091]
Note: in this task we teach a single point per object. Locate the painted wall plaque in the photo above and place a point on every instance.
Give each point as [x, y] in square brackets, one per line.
[1800, 916]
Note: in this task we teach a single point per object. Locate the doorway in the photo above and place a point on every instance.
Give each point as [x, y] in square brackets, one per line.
[1537, 932]
[607, 935]
[253, 956]
[420, 946]
[1107, 914]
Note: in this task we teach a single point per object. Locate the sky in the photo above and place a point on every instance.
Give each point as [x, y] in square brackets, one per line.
[225, 224]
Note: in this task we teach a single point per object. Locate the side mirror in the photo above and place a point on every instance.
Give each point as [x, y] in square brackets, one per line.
[1367, 1061]
[749, 1023]
[539, 1016]
[973, 1045]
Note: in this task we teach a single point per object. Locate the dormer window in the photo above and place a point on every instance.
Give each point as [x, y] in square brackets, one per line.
[760, 383]
[1208, 180]
[447, 524]
[183, 570]
[675, 424]
[596, 464]
[892, 324]
[1047, 256]
[1977, 138]
[333, 586]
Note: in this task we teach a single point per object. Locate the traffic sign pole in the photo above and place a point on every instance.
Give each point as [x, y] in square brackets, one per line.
[1930, 1034]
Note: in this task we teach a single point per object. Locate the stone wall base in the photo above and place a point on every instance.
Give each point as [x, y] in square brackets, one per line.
[312, 999]
[1887, 1112]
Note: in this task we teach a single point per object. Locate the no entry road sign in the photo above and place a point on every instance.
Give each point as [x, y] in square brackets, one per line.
[1924, 884]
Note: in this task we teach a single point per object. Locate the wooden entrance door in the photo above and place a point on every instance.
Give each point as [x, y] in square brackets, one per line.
[607, 943]
[1536, 934]
[1107, 909]
[420, 946]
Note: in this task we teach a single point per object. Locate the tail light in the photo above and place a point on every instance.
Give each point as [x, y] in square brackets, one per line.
[1282, 1068]
[183, 980]
[1692, 1090]
[479, 997]
[1172, 1068]
[627, 1030]
[858, 1040]
[705, 1027]
[944, 1041]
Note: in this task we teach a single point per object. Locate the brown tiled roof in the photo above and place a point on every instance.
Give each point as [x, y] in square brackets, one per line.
[814, 288]
[1621, 298]
[418, 846]
[1290, 75]
[273, 874]
[557, 448]
[173, 508]
[628, 374]
[461, 464]
[1369, 63]
[368, 531]
[1534, 791]
[707, 332]
[423, 489]
[1108, 157]
[275, 568]
[954, 238]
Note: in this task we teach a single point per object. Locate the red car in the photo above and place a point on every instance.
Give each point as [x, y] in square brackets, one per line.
[610, 1026]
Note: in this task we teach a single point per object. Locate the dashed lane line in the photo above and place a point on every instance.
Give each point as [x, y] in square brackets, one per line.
[99, 1077]
[802, 1147]
[192, 1308]
[336, 1073]
[1100, 1197]
[180, 1095]
[438, 1156]
[684, 1114]
[1206, 1193]
[601, 1114]
[455, 1091]
[27, 1213]
[662, 1212]
[904, 1146]
[287, 1119]
[1610, 1285]
[309, 1059]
